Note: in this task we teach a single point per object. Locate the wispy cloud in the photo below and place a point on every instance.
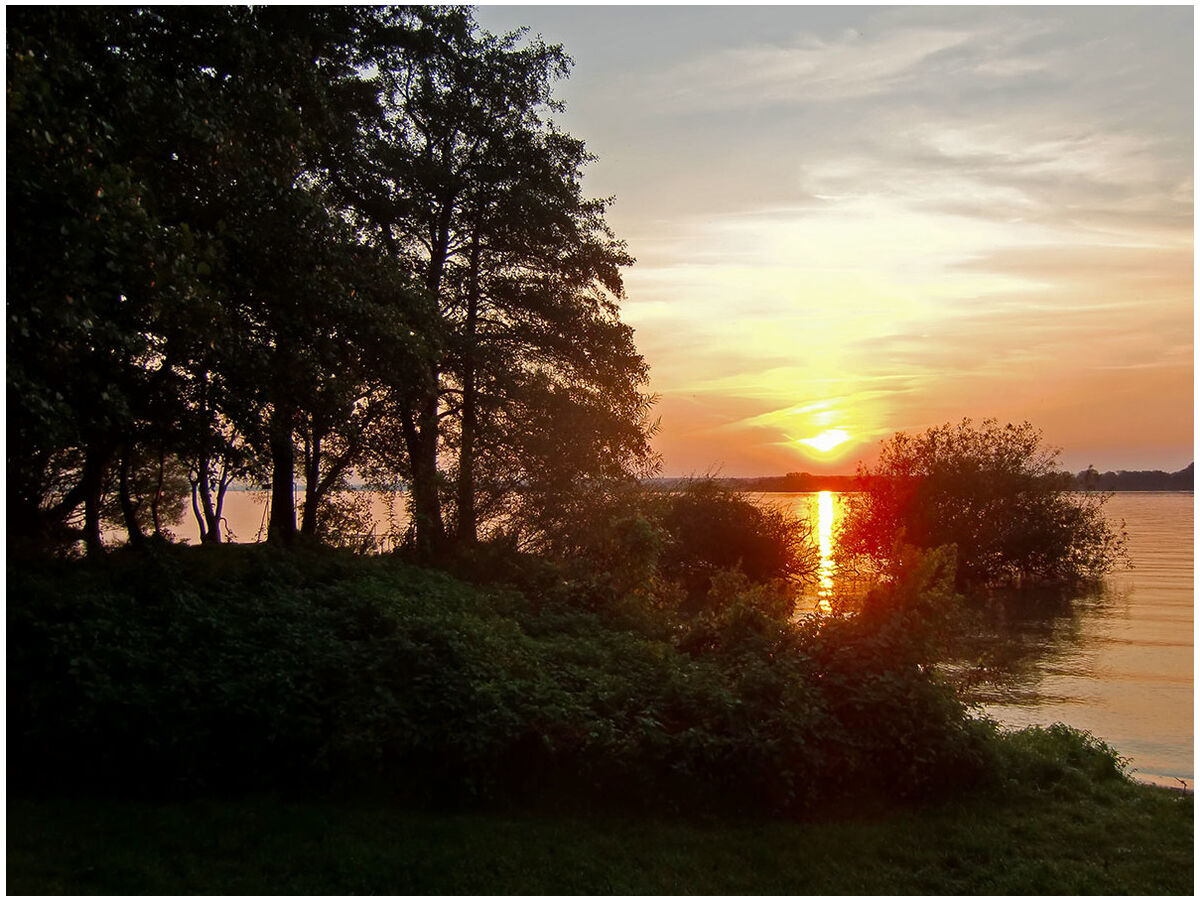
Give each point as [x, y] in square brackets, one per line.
[809, 69]
[882, 218]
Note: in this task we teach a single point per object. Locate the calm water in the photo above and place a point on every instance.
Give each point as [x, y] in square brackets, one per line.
[245, 514]
[1118, 664]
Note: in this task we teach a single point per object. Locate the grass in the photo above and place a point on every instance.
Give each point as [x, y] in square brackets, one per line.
[1110, 838]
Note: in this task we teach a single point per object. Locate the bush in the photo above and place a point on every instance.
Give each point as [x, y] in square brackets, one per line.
[992, 491]
[901, 725]
[711, 529]
[653, 555]
[1055, 758]
[235, 668]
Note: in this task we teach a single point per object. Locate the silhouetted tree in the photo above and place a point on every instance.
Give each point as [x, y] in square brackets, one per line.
[347, 236]
[185, 280]
[94, 271]
[479, 196]
[994, 492]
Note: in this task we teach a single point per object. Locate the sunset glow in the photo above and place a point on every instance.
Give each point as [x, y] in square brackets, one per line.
[727, 431]
[827, 440]
[853, 221]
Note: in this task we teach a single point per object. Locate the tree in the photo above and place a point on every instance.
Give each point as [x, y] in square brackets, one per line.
[714, 529]
[479, 196]
[549, 378]
[289, 100]
[93, 271]
[995, 493]
[150, 495]
[185, 281]
[334, 240]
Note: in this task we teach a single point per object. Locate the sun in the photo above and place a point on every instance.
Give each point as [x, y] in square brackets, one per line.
[826, 440]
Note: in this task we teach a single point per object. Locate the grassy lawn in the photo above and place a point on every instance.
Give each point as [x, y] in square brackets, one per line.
[1115, 838]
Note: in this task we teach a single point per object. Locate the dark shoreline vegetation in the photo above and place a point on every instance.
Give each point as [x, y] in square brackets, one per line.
[248, 719]
[326, 246]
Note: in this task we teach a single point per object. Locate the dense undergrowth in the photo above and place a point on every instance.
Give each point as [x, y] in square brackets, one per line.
[647, 668]
[237, 668]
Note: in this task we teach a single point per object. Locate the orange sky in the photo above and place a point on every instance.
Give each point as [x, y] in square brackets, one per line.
[859, 221]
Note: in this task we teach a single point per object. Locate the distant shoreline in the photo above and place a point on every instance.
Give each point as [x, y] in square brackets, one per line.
[1124, 481]
[758, 490]
[1147, 482]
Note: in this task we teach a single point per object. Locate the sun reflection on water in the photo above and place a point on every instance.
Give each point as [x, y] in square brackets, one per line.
[825, 547]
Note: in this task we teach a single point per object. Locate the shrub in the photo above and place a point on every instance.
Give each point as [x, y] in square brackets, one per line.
[992, 491]
[649, 558]
[248, 667]
[711, 529]
[1055, 758]
[899, 724]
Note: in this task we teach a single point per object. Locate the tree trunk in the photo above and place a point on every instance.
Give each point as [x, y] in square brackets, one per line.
[426, 506]
[200, 522]
[467, 525]
[128, 512]
[421, 437]
[222, 487]
[282, 527]
[158, 492]
[312, 470]
[93, 492]
[211, 530]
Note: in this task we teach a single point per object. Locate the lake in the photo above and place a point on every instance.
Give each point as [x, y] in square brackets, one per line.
[1118, 664]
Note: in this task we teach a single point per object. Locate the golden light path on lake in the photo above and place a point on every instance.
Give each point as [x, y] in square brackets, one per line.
[825, 547]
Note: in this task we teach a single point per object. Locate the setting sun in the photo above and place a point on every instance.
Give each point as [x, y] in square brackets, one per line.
[979, 226]
[826, 440]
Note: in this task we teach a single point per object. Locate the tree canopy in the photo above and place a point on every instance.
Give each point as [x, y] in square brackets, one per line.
[302, 244]
[993, 491]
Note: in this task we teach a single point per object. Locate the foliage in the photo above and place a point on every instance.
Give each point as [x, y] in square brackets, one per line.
[884, 658]
[232, 667]
[712, 529]
[88, 271]
[158, 161]
[350, 235]
[469, 186]
[671, 541]
[992, 491]
[1056, 758]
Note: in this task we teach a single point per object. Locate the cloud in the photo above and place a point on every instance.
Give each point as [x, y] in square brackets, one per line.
[1016, 167]
[890, 218]
[810, 69]
[882, 56]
